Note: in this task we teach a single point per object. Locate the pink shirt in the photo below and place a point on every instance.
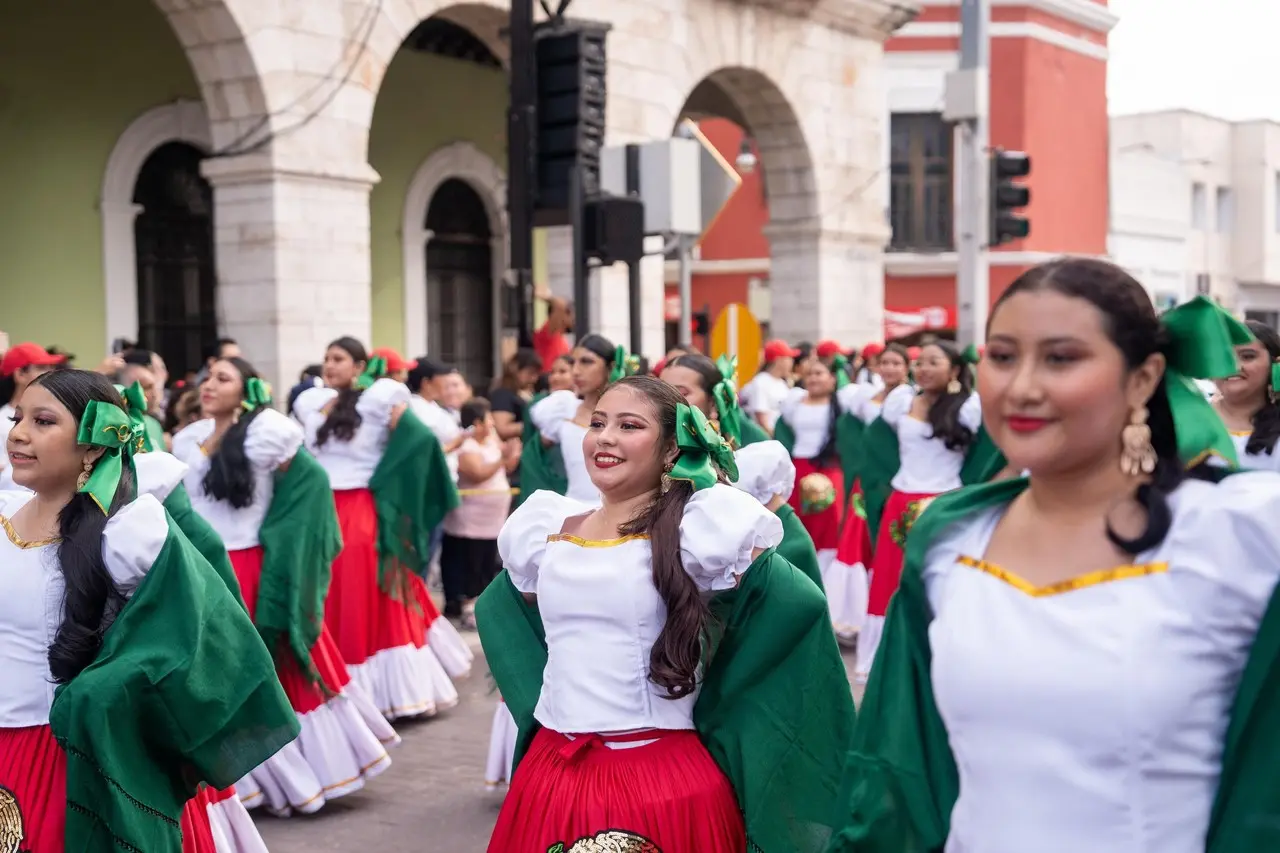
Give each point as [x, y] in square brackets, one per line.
[485, 505]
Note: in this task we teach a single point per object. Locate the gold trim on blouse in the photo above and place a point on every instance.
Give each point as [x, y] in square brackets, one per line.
[1086, 580]
[595, 543]
[22, 543]
[1243, 433]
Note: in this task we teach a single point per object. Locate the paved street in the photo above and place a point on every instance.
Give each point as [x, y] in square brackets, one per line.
[432, 800]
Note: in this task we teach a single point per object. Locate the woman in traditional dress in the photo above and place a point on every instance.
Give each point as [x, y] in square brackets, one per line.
[1247, 401]
[179, 691]
[710, 387]
[638, 740]
[249, 477]
[937, 424]
[766, 472]
[391, 488]
[1086, 658]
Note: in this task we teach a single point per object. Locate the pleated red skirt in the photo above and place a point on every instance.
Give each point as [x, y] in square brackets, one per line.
[362, 619]
[197, 833]
[855, 546]
[823, 527]
[304, 695]
[665, 797]
[33, 791]
[886, 562]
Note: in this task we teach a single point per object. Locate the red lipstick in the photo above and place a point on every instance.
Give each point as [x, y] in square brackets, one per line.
[1019, 423]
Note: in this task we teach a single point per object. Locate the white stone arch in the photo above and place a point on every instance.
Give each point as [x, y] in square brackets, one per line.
[466, 162]
[181, 121]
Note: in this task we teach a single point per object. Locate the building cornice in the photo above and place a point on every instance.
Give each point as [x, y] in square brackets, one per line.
[1009, 29]
[1083, 13]
[916, 265]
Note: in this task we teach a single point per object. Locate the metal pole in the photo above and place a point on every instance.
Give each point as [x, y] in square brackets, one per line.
[973, 184]
[583, 321]
[685, 249]
[522, 94]
[633, 267]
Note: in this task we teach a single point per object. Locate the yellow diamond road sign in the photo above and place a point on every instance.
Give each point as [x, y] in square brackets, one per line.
[719, 180]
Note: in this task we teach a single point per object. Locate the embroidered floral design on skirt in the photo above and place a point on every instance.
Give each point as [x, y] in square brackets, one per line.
[611, 841]
[12, 830]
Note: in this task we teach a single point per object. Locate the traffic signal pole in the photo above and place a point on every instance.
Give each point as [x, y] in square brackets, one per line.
[973, 184]
[522, 94]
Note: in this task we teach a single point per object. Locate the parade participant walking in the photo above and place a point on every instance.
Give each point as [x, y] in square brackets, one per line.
[711, 387]
[1247, 400]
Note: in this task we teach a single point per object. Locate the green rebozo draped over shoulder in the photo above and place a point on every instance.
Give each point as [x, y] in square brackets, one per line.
[203, 537]
[797, 545]
[183, 687]
[413, 491]
[541, 467]
[300, 539]
[775, 710]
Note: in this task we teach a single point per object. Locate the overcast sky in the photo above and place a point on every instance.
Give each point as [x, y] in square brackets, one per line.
[1173, 53]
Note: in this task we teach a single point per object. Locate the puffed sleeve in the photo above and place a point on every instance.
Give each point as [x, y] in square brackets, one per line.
[311, 402]
[795, 398]
[897, 404]
[132, 540]
[971, 412]
[851, 396]
[765, 470]
[719, 533]
[273, 440]
[380, 398]
[523, 538]
[553, 410]
[159, 473]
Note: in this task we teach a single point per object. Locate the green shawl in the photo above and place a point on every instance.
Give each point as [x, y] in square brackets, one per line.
[541, 467]
[300, 539]
[797, 545]
[752, 432]
[901, 781]
[851, 434]
[155, 432]
[775, 708]
[413, 491]
[880, 462]
[201, 535]
[182, 688]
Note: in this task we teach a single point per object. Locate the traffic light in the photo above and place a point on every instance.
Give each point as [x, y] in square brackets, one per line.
[1008, 197]
[702, 323]
[570, 111]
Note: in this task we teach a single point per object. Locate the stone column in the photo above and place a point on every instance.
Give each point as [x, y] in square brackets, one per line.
[293, 259]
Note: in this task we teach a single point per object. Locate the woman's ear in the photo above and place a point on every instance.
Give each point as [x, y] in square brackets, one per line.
[93, 454]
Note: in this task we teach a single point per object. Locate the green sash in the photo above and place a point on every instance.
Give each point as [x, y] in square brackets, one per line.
[182, 687]
[785, 435]
[797, 545]
[155, 432]
[880, 464]
[541, 467]
[752, 432]
[775, 707]
[202, 535]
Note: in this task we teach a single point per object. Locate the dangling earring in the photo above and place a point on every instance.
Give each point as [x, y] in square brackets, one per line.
[1137, 456]
[83, 479]
[666, 478]
[954, 387]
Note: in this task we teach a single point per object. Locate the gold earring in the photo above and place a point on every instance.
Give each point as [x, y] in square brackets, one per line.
[954, 387]
[666, 478]
[83, 479]
[1137, 456]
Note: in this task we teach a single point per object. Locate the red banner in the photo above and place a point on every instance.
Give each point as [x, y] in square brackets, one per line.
[900, 322]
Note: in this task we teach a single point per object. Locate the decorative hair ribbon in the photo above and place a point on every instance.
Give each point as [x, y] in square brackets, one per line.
[374, 370]
[840, 369]
[107, 426]
[624, 365]
[1275, 377]
[702, 451]
[971, 354]
[1202, 342]
[257, 394]
[725, 395]
[135, 405]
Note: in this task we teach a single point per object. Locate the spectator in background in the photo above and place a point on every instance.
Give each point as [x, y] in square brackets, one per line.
[561, 376]
[312, 376]
[762, 397]
[183, 409]
[219, 349]
[552, 340]
[20, 365]
[455, 390]
[512, 393]
[139, 366]
[397, 367]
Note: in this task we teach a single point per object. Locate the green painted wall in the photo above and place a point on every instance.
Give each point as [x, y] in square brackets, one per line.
[73, 76]
[425, 102]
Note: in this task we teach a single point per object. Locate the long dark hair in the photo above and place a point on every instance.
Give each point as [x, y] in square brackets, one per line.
[603, 347]
[828, 455]
[1131, 324]
[524, 359]
[708, 374]
[91, 600]
[230, 476]
[344, 420]
[1266, 421]
[944, 414]
[673, 663]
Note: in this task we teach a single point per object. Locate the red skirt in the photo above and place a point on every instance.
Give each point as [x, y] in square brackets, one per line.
[668, 796]
[361, 617]
[197, 832]
[855, 537]
[33, 791]
[823, 527]
[886, 562]
[304, 695]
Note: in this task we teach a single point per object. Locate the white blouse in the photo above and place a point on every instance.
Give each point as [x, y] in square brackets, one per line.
[765, 471]
[602, 613]
[31, 598]
[351, 464]
[272, 440]
[553, 417]
[811, 424]
[1090, 715]
[1255, 461]
[764, 395]
[927, 466]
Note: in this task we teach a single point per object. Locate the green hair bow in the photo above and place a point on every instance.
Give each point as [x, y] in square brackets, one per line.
[624, 365]
[107, 426]
[725, 395]
[840, 368]
[1202, 342]
[135, 406]
[702, 451]
[257, 394]
[375, 369]
[971, 354]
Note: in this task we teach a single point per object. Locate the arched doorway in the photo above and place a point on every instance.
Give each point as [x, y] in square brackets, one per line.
[460, 281]
[173, 237]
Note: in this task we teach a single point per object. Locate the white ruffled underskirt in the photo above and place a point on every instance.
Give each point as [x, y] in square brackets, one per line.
[232, 829]
[450, 648]
[343, 744]
[502, 748]
[847, 596]
[405, 681]
[868, 643]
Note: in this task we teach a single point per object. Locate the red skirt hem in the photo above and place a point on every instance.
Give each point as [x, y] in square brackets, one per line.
[886, 563]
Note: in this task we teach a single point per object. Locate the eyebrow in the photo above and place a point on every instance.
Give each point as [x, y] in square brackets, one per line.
[621, 415]
[1060, 339]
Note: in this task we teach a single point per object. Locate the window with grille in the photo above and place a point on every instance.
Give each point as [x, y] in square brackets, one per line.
[920, 195]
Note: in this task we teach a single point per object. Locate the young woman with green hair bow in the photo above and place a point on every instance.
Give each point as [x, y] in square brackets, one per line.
[711, 387]
[1088, 657]
[1248, 401]
[727, 738]
[391, 486]
[132, 674]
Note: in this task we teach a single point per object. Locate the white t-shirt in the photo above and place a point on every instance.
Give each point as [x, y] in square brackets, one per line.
[441, 422]
[763, 395]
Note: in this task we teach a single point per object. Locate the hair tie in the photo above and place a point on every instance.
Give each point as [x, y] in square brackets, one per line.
[107, 426]
[701, 449]
[374, 369]
[257, 394]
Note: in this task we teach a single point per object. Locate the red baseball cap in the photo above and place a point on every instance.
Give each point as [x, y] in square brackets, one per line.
[395, 363]
[913, 353]
[777, 348]
[19, 356]
[826, 349]
[872, 350]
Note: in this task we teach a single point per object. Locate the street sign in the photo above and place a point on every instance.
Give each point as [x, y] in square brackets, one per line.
[736, 332]
[718, 179]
